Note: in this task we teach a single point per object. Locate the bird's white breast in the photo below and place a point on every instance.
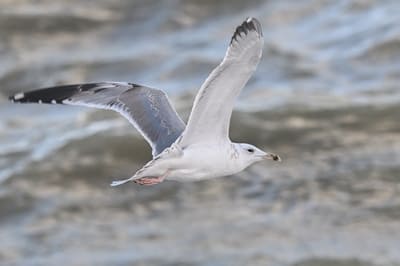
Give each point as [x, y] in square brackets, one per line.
[203, 162]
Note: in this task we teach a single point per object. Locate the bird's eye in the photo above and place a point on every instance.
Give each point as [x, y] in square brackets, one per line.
[251, 150]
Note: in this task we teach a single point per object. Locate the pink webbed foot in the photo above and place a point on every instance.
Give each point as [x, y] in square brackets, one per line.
[148, 181]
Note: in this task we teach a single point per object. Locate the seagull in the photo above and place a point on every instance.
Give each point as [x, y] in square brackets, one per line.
[199, 150]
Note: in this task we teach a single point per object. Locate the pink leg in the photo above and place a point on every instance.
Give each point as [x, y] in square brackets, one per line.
[148, 181]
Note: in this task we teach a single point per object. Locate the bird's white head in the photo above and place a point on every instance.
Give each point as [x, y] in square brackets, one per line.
[250, 154]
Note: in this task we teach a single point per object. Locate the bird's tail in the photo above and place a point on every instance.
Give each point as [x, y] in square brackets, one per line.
[121, 182]
[137, 175]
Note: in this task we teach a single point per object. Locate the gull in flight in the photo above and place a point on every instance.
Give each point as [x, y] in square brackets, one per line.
[202, 148]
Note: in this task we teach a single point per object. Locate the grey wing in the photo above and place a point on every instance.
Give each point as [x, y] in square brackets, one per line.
[210, 117]
[149, 110]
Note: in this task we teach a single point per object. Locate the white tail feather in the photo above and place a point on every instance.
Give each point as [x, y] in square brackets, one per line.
[120, 182]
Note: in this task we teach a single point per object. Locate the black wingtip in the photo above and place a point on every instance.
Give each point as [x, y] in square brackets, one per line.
[250, 24]
[46, 95]
[255, 25]
[52, 95]
[19, 97]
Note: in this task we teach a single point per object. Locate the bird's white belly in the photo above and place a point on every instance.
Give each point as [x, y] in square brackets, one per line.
[198, 163]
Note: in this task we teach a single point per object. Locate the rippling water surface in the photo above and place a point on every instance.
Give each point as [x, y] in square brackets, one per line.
[325, 97]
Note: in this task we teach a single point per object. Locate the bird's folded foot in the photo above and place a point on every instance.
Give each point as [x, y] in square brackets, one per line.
[148, 181]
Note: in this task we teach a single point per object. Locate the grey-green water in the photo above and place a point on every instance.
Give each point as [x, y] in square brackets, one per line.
[325, 97]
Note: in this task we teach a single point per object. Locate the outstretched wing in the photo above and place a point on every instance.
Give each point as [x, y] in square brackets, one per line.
[212, 108]
[149, 110]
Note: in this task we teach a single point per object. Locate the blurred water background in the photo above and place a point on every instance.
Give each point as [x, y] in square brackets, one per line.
[325, 97]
